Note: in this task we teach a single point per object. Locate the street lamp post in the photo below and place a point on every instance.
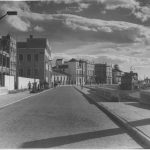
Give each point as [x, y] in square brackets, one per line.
[9, 13]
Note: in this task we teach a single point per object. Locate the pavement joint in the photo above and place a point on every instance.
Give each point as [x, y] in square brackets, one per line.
[145, 140]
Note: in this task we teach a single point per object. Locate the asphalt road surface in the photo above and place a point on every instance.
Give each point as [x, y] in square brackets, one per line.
[59, 118]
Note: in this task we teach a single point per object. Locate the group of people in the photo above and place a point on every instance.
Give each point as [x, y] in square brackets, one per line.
[55, 84]
[36, 86]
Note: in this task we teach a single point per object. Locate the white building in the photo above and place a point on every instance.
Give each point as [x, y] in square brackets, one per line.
[61, 78]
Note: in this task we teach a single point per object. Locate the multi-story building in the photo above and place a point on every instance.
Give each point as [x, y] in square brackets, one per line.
[80, 71]
[34, 59]
[90, 73]
[76, 70]
[60, 78]
[116, 75]
[7, 57]
[129, 81]
[103, 73]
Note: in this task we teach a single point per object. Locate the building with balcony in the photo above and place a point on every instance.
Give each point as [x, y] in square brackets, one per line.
[34, 59]
[7, 57]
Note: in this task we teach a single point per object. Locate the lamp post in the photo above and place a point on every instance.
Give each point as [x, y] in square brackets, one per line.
[9, 13]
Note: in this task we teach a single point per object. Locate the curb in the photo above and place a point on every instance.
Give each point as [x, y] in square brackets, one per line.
[138, 134]
[121, 96]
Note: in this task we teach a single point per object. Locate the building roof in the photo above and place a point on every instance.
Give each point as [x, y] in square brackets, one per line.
[117, 70]
[33, 43]
[73, 60]
[59, 59]
[21, 44]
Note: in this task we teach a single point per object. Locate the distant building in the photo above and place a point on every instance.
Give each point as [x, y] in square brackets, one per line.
[103, 73]
[76, 70]
[34, 59]
[89, 72]
[60, 77]
[60, 66]
[7, 57]
[129, 81]
[80, 71]
[116, 76]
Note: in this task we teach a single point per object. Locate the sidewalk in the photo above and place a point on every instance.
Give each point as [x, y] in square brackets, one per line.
[12, 98]
[133, 115]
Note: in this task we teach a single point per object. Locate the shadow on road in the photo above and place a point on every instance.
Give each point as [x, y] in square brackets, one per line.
[141, 122]
[62, 140]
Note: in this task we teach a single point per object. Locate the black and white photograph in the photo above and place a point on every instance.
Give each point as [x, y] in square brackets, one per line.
[75, 74]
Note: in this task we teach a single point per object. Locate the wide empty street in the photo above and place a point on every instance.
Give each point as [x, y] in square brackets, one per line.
[60, 118]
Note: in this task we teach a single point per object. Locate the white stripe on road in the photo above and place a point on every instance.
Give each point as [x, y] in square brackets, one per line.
[24, 98]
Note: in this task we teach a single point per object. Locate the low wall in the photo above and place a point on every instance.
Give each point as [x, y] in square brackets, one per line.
[9, 82]
[108, 94]
[115, 95]
[23, 82]
[145, 96]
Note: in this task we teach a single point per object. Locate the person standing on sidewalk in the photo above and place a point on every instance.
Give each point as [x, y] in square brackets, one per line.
[29, 85]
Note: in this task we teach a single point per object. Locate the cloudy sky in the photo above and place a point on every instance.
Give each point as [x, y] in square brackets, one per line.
[112, 31]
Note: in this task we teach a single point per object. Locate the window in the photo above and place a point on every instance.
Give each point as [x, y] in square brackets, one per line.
[28, 73]
[20, 72]
[1, 59]
[28, 57]
[20, 57]
[57, 78]
[36, 72]
[36, 57]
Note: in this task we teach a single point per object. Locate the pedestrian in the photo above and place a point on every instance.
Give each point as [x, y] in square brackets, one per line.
[29, 85]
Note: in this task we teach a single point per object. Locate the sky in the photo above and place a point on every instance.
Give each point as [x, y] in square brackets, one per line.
[103, 31]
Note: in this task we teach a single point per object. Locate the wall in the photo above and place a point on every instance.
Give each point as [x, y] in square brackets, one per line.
[23, 82]
[9, 82]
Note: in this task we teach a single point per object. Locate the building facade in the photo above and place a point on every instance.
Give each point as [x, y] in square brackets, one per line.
[7, 57]
[76, 70]
[103, 74]
[80, 71]
[34, 59]
[60, 78]
[116, 75]
[90, 73]
[129, 81]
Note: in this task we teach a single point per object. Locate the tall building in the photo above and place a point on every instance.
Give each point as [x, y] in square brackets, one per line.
[116, 75]
[7, 57]
[90, 73]
[76, 70]
[34, 59]
[103, 73]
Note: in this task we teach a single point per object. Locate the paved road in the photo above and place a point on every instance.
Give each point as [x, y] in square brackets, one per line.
[59, 118]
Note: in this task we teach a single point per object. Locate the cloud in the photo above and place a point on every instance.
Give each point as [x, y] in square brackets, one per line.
[38, 28]
[119, 29]
[120, 4]
[140, 12]
[17, 22]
